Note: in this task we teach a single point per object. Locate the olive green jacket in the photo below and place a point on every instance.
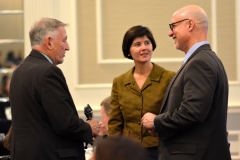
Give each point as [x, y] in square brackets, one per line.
[129, 103]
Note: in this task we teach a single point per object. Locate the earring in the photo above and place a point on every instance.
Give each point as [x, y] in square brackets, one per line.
[129, 55]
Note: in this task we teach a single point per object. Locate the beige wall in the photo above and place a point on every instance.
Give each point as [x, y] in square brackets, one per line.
[96, 31]
[11, 27]
[105, 23]
[102, 24]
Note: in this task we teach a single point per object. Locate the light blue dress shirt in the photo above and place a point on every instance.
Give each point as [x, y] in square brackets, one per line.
[193, 49]
[47, 57]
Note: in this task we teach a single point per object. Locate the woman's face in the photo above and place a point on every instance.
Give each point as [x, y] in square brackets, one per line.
[141, 49]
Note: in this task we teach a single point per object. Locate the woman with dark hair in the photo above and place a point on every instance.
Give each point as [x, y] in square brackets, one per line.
[139, 90]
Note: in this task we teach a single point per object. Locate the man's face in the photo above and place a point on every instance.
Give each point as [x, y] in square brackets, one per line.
[104, 123]
[60, 45]
[178, 32]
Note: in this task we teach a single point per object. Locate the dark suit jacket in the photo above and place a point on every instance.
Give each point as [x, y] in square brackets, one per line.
[192, 121]
[45, 122]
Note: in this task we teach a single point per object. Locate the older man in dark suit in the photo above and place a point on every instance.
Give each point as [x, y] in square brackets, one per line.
[192, 121]
[45, 122]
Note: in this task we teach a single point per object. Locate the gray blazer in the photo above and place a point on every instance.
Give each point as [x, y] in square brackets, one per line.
[192, 121]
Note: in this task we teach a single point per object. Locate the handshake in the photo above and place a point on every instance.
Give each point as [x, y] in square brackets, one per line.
[92, 122]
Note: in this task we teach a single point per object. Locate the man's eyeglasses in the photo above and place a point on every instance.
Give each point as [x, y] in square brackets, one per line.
[172, 24]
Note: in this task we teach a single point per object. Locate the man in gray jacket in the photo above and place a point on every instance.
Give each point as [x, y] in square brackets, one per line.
[192, 121]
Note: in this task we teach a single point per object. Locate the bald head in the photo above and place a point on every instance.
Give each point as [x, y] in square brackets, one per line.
[189, 26]
[196, 13]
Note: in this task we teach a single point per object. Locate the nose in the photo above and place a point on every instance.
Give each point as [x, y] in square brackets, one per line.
[67, 47]
[170, 33]
[144, 46]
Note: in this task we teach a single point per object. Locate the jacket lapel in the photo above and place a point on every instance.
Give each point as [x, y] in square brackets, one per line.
[154, 76]
[206, 46]
[128, 79]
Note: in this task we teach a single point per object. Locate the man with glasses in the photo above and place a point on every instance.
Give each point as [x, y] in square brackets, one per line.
[192, 120]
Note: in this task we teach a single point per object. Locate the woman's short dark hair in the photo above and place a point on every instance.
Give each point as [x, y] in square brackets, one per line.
[131, 34]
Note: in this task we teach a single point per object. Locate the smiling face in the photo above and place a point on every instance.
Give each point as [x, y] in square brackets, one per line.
[179, 32]
[141, 49]
[59, 45]
[189, 26]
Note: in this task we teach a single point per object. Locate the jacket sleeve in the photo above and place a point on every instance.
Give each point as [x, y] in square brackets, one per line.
[116, 122]
[60, 109]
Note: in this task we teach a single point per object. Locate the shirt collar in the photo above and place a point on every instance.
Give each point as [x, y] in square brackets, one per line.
[47, 57]
[193, 49]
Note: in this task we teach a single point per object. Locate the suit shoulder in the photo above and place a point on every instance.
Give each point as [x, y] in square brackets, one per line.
[38, 66]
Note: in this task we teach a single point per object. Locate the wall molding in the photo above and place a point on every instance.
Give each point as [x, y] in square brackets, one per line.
[93, 93]
[100, 58]
[235, 145]
[214, 25]
[233, 108]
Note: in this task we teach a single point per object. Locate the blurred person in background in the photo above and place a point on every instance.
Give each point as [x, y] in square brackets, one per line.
[105, 111]
[103, 130]
[5, 112]
[5, 86]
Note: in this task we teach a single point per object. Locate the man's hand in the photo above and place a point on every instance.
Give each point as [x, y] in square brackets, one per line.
[94, 125]
[153, 132]
[147, 120]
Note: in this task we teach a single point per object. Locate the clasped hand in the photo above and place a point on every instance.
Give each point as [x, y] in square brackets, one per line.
[147, 122]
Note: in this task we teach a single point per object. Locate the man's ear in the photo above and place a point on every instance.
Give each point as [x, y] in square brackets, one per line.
[191, 24]
[48, 42]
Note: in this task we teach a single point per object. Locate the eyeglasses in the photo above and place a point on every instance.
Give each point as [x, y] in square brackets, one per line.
[171, 25]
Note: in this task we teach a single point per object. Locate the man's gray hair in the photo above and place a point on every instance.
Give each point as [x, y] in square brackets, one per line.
[43, 27]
